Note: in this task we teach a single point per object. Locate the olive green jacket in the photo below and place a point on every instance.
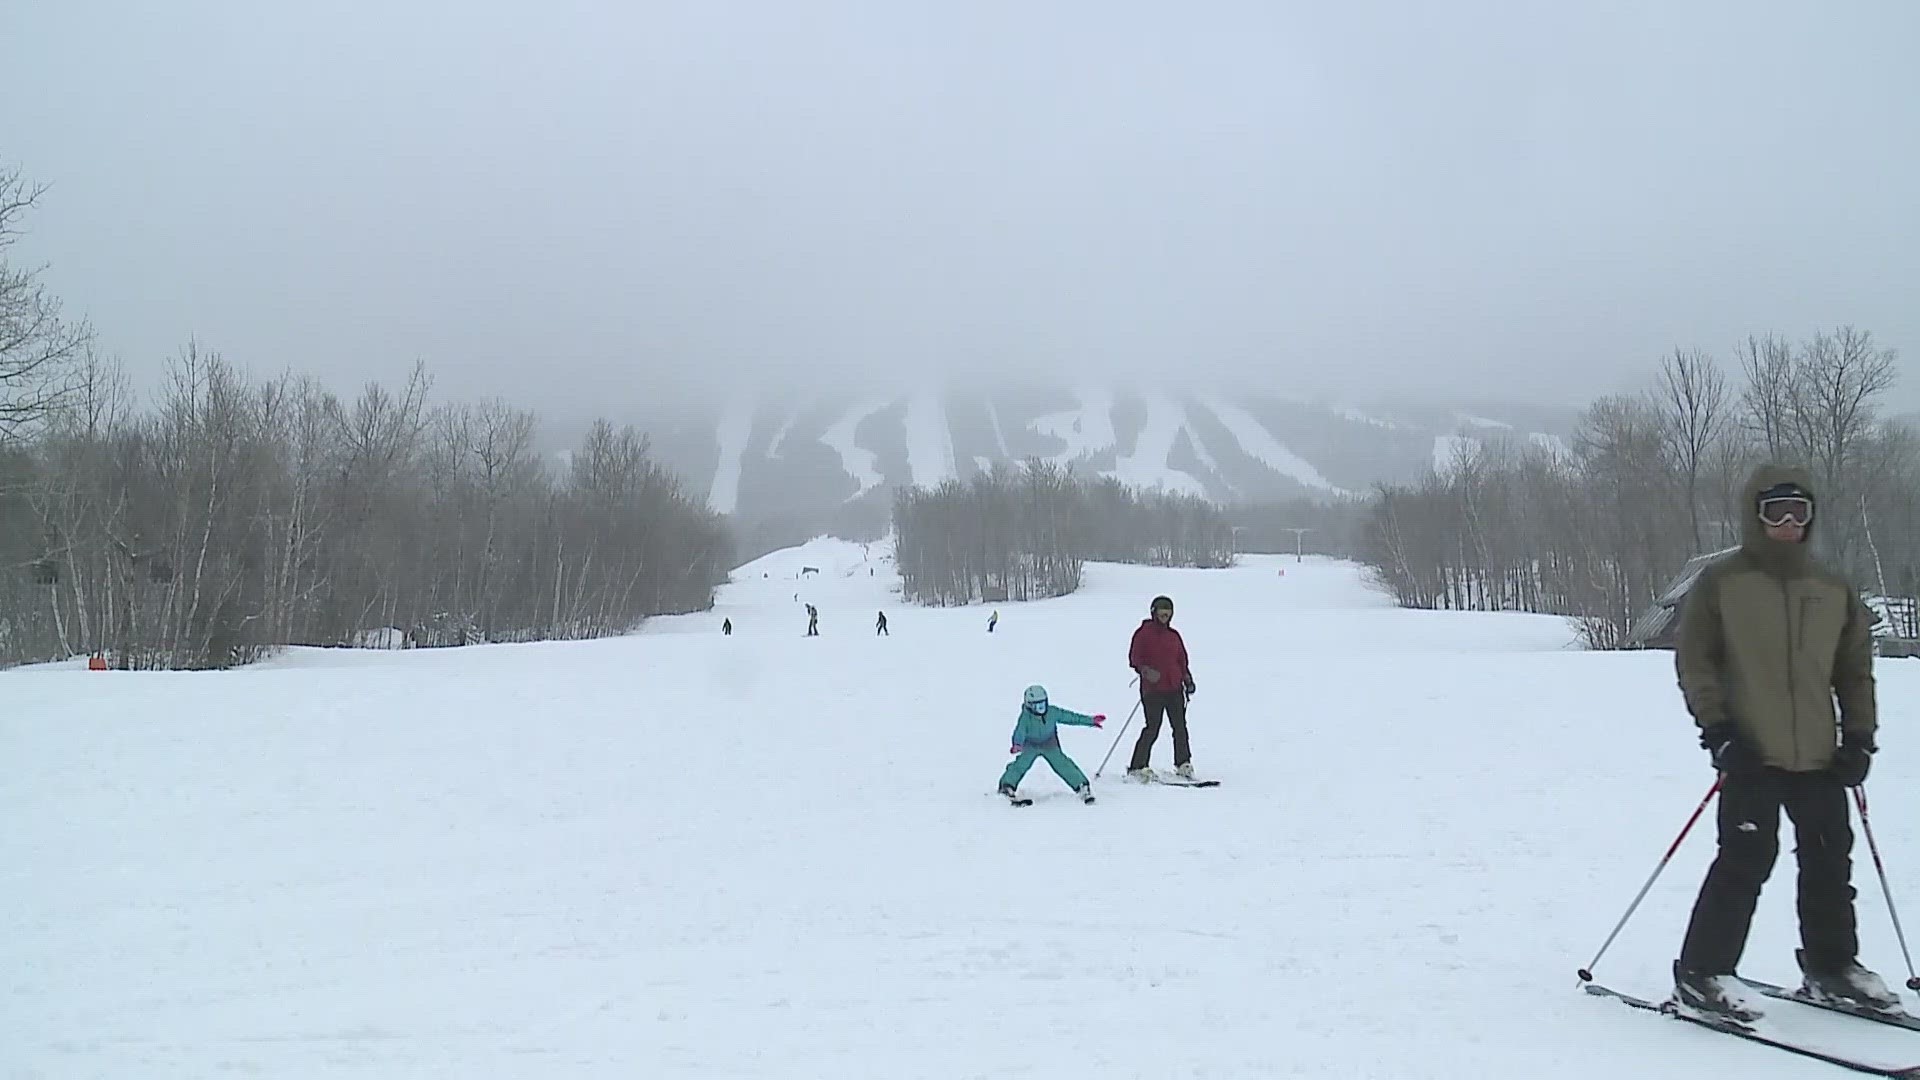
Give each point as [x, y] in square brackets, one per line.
[1769, 640]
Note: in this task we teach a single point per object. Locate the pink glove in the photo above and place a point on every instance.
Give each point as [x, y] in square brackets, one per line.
[1099, 718]
[1013, 749]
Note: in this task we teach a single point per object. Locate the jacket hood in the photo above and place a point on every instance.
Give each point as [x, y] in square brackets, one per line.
[1753, 536]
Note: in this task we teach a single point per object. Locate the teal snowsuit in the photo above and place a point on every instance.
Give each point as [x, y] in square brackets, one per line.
[1039, 737]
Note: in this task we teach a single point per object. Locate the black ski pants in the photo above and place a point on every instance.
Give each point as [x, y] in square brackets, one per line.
[1171, 706]
[1749, 821]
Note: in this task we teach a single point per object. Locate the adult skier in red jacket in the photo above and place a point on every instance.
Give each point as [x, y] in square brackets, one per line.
[1160, 656]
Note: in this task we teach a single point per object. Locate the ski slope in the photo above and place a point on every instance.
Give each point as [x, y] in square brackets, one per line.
[858, 461]
[1146, 466]
[1087, 430]
[736, 427]
[682, 856]
[1258, 443]
[929, 440]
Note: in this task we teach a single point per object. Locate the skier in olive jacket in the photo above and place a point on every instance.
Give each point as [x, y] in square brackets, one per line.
[1768, 642]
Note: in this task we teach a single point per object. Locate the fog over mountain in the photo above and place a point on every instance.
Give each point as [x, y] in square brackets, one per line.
[625, 205]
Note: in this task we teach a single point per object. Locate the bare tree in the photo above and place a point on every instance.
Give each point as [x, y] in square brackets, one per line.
[239, 516]
[38, 348]
[1691, 397]
[1016, 533]
[1768, 398]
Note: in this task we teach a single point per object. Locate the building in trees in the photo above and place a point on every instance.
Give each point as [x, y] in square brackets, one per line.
[1657, 627]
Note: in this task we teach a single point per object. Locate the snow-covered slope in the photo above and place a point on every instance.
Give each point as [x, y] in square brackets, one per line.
[855, 459]
[1257, 442]
[684, 856]
[1147, 466]
[804, 460]
[1086, 430]
[929, 443]
[736, 427]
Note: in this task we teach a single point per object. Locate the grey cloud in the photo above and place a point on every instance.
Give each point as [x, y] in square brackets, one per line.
[560, 202]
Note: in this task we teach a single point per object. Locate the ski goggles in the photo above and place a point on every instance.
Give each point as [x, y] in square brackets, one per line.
[1037, 708]
[1797, 509]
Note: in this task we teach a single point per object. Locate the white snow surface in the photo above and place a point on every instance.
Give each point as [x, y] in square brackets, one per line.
[736, 427]
[1449, 449]
[1086, 430]
[682, 856]
[1483, 422]
[999, 433]
[1258, 443]
[1147, 466]
[780, 433]
[855, 459]
[1551, 443]
[929, 440]
[1348, 412]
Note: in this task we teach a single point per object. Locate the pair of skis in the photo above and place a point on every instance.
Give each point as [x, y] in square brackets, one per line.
[1017, 799]
[1758, 1035]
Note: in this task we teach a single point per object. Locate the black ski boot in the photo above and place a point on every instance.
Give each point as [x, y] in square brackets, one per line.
[1845, 983]
[1720, 998]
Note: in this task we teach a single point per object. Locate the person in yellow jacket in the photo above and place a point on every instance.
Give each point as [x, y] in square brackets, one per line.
[1769, 642]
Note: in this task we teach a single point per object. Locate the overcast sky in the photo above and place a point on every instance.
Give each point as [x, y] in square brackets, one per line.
[554, 201]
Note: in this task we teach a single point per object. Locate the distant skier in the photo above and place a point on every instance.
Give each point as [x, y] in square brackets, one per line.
[1035, 735]
[726, 627]
[993, 622]
[1768, 641]
[1159, 654]
[813, 621]
[880, 626]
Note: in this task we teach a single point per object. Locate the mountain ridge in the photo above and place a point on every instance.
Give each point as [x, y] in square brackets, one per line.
[845, 452]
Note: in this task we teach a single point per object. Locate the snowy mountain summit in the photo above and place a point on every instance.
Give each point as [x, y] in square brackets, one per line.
[760, 457]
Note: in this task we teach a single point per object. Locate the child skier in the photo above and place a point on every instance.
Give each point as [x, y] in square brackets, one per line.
[1035, 735]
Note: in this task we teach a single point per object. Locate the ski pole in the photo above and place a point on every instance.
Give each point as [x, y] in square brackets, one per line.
[1860, 800]
[1117, 736]
[1586, 973]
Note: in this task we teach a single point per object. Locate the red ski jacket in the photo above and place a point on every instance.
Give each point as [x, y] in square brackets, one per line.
[1159, 647]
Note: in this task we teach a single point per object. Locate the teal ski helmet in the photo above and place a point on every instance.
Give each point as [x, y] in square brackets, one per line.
[1036, 699]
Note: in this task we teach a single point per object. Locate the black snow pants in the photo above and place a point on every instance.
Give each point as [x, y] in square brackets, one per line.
[1749, 821]
[1172, 706]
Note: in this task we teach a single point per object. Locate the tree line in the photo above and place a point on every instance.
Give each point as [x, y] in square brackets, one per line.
[1596, 530]
[1024, 532]
[236, 514]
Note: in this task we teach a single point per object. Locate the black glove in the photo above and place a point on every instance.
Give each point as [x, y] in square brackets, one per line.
[1188, 686]
[1149, 674]
[1731, 754]
[1851, 761]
